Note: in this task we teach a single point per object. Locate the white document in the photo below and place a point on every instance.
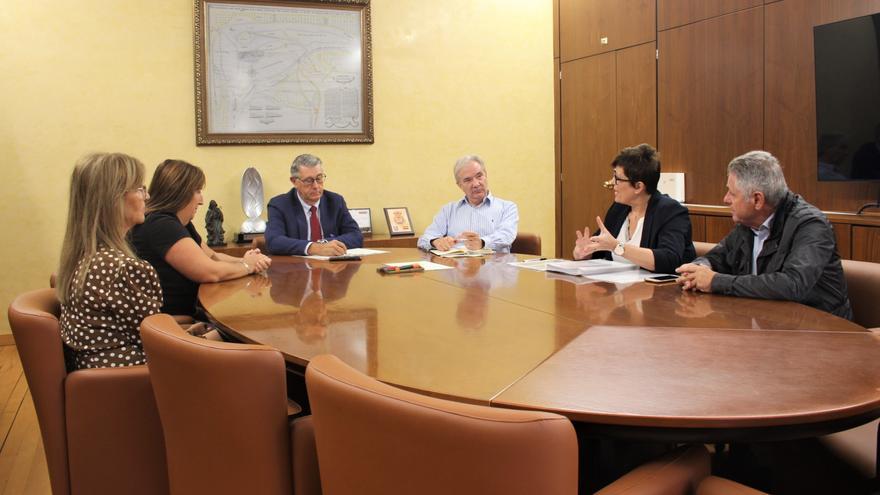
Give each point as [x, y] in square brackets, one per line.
[537, 264]
[625, 277]
[462, 252]
[589, 268]
[363, 252]
[350, 252]
[427, 265]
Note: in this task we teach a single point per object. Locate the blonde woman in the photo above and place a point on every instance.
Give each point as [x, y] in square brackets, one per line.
[104, 289]
[168, 240]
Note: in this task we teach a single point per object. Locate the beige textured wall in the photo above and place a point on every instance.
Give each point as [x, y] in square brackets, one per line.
[450, 78]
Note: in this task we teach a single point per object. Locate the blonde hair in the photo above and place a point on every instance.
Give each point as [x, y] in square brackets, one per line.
[96, 212]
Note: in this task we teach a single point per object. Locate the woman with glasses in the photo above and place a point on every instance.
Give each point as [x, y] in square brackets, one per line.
[168, 240]
[643, 226]
[104, 289]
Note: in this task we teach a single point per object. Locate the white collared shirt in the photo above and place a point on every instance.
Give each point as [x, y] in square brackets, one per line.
[761, 235]
[494, 220]
[623, 236]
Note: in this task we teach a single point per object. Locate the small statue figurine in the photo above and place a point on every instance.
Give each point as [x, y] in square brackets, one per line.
[214, 225]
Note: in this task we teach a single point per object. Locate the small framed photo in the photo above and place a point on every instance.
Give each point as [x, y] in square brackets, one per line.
[399, 222]
[363, 218]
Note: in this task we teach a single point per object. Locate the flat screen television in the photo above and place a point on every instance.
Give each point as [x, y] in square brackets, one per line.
[848, 99]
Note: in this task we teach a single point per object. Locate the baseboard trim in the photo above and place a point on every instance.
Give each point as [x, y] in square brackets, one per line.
[7, 339]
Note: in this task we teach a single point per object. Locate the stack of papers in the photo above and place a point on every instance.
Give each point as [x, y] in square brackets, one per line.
[462, 252]
[588, 268]
[350, 252]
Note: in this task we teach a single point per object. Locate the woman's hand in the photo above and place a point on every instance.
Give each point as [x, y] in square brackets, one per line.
[583, 245]
[258, 261]
[605, 241]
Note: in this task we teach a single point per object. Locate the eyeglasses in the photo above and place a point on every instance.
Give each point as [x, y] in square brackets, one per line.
[141, 190]
[311, 180]
[615, 179]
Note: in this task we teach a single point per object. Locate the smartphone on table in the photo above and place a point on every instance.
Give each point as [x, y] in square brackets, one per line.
[662, 279]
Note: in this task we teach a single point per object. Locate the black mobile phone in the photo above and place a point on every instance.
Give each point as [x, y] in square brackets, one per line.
[345, 258]
[661, 279]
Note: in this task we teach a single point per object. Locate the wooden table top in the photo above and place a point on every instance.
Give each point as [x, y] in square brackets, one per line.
[634, 355]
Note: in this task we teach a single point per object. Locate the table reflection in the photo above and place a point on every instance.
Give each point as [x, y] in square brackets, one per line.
[477, 276]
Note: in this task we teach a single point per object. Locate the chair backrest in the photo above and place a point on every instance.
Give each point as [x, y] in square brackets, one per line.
[526, 243]
[703, 247]
[376, 439]
[259, 243]
[100, 428]
[33, 317]
[224, 411]
[863, 286]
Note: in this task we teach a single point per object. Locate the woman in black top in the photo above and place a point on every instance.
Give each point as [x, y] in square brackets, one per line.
[643, 226]
[168, 240]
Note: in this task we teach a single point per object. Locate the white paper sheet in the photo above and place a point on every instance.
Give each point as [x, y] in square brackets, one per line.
[427, 265]
[537, 264]
[350, 252]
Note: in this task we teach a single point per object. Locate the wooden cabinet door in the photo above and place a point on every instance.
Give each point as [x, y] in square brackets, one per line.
[710, 98]
[589, 138]
[607, 102]
[590, 27]
[866, 243]
[672, 13]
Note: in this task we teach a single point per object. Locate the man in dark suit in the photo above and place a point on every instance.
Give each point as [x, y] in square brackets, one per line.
[308, 220]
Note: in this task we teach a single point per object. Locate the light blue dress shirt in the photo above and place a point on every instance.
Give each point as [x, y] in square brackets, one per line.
[761, 235]
[495, 220]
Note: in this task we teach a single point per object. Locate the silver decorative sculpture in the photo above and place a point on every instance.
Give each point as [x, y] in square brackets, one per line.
[252, 202]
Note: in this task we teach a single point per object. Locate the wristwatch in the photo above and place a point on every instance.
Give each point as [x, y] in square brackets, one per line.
[618, 250]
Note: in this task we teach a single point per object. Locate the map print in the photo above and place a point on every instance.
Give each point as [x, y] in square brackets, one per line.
[283, 69]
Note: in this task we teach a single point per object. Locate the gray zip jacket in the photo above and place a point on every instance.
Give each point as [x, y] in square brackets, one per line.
[799, 261]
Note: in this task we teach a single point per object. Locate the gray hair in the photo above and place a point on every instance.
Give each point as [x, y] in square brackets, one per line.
[461, 162]
[759, 171]
[304, 160]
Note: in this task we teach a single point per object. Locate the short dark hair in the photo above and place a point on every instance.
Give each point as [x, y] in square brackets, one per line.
[640, 164]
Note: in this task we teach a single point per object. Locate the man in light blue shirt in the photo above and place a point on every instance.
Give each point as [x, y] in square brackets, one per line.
[476, 221]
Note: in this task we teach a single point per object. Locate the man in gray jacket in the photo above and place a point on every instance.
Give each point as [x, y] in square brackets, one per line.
[781, 248]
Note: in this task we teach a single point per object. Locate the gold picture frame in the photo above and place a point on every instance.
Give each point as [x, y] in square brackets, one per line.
[399, 221]
[283, 71]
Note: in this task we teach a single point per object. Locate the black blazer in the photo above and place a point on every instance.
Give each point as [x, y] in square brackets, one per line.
[666, 231]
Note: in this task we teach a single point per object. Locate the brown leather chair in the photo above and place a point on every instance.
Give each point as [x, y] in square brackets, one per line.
[224, 412]
[863, 286]
[526, 243]
[377, 439]
[100, 427]
[703, 247]
[259, 243]
[858, 446]
[714, 485]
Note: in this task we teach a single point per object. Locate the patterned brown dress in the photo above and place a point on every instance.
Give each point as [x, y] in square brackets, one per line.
[100, 323]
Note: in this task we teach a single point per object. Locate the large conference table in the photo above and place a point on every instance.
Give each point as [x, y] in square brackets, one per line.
[627, 360]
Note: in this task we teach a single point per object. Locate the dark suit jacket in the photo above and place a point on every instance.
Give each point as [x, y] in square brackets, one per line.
[287, 230]
[666, 231]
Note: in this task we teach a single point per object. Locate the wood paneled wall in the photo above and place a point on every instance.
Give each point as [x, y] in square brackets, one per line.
[731, 76]
[710, 84]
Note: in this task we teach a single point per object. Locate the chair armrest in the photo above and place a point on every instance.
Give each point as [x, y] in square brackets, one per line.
[714, 485]
[676, 473]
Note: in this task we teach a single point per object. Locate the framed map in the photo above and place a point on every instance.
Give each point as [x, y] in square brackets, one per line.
[283, 71]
